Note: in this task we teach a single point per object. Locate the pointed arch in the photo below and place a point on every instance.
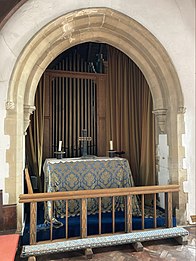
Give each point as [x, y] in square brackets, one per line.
[100, 25]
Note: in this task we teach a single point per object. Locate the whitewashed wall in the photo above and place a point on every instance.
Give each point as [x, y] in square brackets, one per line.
[170, 21]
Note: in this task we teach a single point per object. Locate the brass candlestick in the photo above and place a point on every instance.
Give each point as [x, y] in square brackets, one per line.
[59, 154]
[112, 153]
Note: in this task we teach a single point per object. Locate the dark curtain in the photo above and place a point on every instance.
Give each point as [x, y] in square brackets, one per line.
[34, 137]
[129, 112]
[130, 122]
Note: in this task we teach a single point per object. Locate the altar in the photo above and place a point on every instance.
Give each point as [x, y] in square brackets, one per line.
[71, 174]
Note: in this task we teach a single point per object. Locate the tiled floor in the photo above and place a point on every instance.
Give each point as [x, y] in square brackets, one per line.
[154, 250]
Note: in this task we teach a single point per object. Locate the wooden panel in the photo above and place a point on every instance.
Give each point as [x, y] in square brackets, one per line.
[50, 141]
[79, 110]
[1, 210]
[46, 142]
[101, 116]
[47, 136]
[8, 219]
[101, 137]
[72, 74]
[47, 96]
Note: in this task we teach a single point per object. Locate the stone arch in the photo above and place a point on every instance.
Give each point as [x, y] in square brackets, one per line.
[99, 25]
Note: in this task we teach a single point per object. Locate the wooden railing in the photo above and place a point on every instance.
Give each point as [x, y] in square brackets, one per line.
[83, 195]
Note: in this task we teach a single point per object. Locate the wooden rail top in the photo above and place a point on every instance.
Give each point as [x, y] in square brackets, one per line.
[28, 181]
[96, 193]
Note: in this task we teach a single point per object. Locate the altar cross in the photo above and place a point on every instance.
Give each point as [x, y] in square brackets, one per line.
[84, 140]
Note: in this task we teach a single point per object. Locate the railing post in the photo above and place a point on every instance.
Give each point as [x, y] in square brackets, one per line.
[113, 214]
[155, 209]
[66, 219]
[168, 209]
[128, 213]
[143, 210]
[51, 219]
[99, 216]
[33, 222]
[84, 218]
[128, 193]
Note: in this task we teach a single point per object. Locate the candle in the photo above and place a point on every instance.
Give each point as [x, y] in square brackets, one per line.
[111, 145]
[60, 145]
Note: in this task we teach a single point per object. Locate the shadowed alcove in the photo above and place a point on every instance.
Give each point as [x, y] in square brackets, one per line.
[98, 88]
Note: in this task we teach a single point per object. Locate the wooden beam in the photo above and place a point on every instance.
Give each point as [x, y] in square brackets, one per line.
[79, 194]
[71, 74]
[28, 181]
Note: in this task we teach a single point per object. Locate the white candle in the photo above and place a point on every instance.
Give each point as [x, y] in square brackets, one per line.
[111, 145]
[60, 145]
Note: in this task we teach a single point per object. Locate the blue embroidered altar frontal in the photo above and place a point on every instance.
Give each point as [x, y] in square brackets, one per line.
[84, 174]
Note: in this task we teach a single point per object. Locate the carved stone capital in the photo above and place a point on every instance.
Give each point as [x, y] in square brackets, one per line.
[28, 110]
[10, 105]
[161, 115]
[181, 110]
